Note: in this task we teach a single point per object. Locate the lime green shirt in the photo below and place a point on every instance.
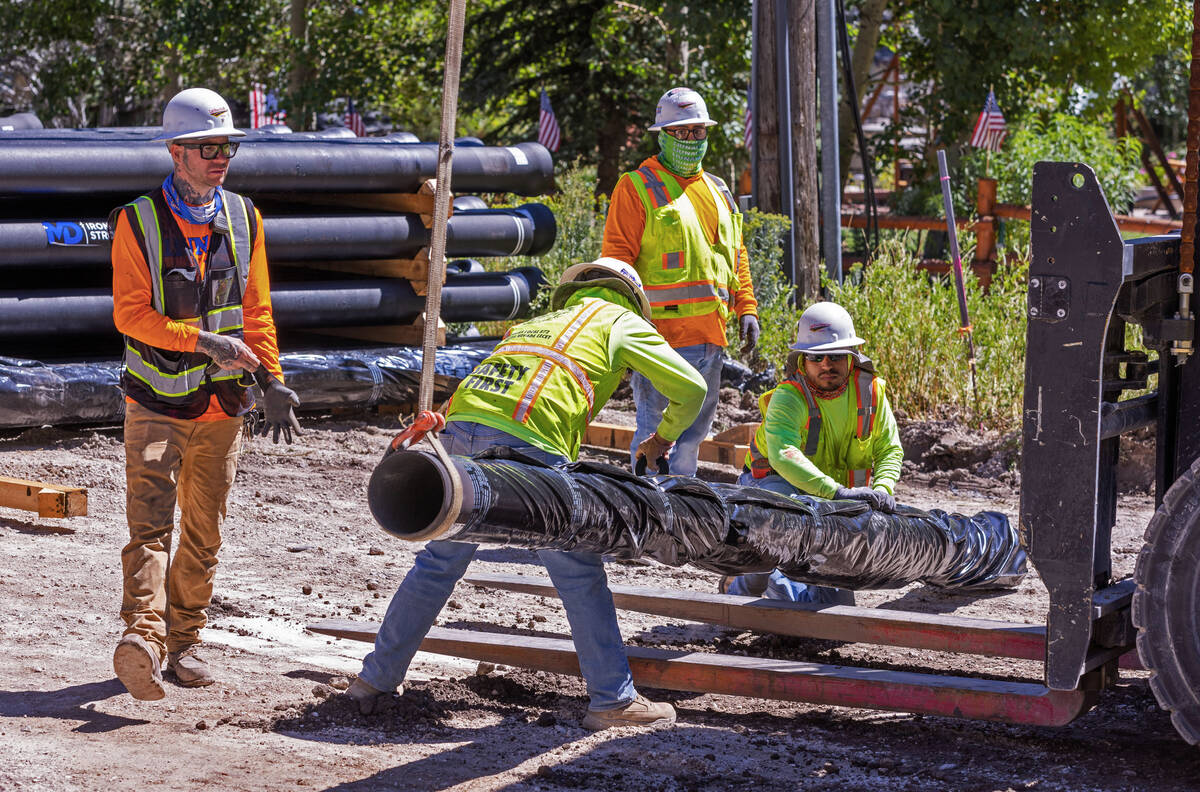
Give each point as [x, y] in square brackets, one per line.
[535, 385]
[839, 450]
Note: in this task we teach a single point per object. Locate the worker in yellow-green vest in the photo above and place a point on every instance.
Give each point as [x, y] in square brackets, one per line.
[827, 431]
[537, 392]
[679, 226]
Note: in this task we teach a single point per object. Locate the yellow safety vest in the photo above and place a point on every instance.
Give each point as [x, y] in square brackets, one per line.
[864, 383]
[684, 273]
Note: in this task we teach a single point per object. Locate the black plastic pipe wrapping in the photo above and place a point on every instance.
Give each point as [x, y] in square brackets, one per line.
[311, 304]
[512, 500]
[527, 230]
[34, 393]
[75, 163]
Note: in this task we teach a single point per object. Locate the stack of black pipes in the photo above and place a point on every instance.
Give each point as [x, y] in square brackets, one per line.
[327, 243]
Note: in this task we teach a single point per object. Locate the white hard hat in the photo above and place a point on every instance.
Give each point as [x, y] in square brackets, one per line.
[825, 327]
[609, 272]
[680, 106]
[197, 113]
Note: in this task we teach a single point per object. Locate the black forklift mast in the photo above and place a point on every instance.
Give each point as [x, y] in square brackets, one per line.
[1085, 285]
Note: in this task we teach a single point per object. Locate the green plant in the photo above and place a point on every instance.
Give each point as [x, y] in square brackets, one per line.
[910, 321]
[763, 234]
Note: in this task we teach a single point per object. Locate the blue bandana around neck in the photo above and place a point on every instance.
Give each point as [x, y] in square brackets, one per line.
[201, 215]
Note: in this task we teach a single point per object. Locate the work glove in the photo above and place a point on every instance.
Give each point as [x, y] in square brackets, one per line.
[879, 500]
[278, 401]
[653, 448]
[749, 332]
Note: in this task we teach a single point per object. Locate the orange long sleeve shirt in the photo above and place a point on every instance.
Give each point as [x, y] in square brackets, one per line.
[623, 231]
[134, 314]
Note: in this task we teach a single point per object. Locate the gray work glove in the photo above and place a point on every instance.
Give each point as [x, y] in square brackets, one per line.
[750, 331]
[278, 401]
[879, 500]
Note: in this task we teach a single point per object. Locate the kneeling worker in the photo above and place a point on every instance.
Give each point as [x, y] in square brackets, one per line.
[827, 431]
[536, 392]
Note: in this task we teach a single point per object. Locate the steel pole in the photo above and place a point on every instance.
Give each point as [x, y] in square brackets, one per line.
[787, 184]
[831, 182]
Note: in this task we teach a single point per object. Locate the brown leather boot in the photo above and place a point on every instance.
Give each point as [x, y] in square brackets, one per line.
[190, 670]
[639, 712]
[138, 668]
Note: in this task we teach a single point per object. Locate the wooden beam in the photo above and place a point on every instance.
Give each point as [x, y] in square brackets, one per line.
[739, 435]
[619, 438]
[48, 500]
[937, 632]
[413, 269]
[403, 335]
[420, 202]
[787, 680]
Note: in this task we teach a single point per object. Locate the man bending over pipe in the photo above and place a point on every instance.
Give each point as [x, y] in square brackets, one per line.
[827, 431]
[536, 393]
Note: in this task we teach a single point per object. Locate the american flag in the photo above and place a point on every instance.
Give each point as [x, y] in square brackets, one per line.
[549, 134]
[989, 128]
[264, 109]
[748, 130]
[354, 121]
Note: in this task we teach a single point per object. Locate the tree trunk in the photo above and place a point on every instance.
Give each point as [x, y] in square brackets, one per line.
[609, 147]
[300, 72]
[765, 147]
[806, 241]
[870, 23]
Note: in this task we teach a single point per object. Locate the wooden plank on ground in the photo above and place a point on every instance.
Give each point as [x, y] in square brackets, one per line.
[938, 632]
[787, 680]
[741, 434]
[48, 500]
[619, 438]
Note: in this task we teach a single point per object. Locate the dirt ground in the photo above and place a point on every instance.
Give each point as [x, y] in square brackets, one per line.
[300, 546]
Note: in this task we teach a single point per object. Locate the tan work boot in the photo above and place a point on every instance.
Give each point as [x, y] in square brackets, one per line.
[367, 697]
[138, 668]
[190, 670]
[639, 712]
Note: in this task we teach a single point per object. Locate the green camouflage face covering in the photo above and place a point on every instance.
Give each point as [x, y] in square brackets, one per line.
[682, 157]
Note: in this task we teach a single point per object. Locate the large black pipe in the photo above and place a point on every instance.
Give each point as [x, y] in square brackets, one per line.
[592, 507]
[465, 298]
[33, 393]
[71, 164]
[527, 230]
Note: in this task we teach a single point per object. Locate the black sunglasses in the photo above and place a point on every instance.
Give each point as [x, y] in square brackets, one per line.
[819, 358]
[685, 133]
[209, 150]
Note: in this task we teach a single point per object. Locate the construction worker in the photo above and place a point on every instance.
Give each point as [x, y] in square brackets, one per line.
[190, 295]
[536, 392]
[827, 431]
[681, 229]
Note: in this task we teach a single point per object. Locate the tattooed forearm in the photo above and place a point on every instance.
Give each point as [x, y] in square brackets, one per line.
[219, 348]
[190, 194]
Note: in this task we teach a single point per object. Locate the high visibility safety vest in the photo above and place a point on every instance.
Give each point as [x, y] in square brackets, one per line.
[683, 272]
[867, 408]
[179, 384]
[542, 379]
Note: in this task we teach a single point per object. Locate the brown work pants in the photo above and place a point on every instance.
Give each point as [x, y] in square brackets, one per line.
[169, 459]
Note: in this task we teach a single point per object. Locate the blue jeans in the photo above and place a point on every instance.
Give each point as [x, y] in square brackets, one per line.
[579, 578]
[649, 403]
[775, 585]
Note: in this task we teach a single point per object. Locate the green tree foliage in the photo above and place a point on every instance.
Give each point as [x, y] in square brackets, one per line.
[604, 65]
[1040, 57]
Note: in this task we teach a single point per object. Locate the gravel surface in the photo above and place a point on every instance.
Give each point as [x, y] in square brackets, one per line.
[300, 546]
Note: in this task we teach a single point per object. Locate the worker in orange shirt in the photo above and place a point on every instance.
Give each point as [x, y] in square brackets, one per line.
[681, 230]
[190, 295]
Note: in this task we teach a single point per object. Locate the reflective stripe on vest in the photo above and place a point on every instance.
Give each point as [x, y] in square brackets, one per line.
[655, 186]
[760, 466]
[680, 293]
[226, 319]
[554, 356]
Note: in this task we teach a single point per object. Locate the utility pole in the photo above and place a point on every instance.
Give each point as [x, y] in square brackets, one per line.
[831, 180]
[784, 155]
